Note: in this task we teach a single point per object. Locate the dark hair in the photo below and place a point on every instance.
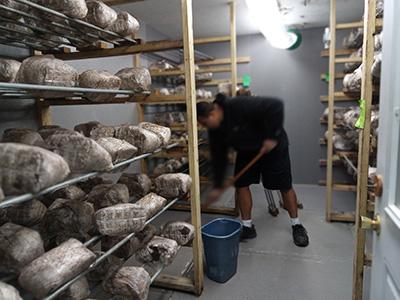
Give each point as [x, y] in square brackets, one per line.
[204, 109]
[220, 99]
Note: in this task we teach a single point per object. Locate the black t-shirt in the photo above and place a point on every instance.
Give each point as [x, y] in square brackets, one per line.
[248, 121]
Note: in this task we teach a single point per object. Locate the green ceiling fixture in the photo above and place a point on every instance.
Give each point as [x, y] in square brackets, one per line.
[298, 40]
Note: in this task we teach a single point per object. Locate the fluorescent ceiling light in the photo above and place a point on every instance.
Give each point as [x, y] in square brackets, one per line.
[266, 15]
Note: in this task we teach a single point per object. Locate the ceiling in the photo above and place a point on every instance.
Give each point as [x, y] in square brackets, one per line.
[211, 17]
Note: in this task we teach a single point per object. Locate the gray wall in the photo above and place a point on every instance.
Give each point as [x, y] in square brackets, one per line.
[294, 77]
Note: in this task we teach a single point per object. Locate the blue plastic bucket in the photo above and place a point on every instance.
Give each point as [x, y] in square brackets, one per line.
[221, 239]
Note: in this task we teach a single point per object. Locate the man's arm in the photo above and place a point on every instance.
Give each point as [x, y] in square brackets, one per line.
[219, 152]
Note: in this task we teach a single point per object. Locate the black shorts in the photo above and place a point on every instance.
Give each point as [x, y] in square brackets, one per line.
[273, 169]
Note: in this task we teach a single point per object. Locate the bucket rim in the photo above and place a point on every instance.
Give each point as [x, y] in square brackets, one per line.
[222, 236]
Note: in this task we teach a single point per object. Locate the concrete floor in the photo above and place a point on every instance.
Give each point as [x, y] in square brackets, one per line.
[272, 267]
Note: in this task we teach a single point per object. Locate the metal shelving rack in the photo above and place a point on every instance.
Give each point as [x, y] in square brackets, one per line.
[216, 65]
[111, 45]
[365, 197]
[333, 157]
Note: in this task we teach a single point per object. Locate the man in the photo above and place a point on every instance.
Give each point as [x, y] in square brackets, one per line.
[250, 125]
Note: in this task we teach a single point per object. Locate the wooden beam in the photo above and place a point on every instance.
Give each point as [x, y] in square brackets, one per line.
[44, 113]
[216, 82]
[140, 115]
[344, 187]
[215, 39]
[177, 72]
[193, 152]
[349, 154]
[232, 14]
[336, 162]
[136, 57]
[182, 284]
[338, 52]
[379, 23]
[154, 99]
[338, 75]
[117, 2]
[350, 25]
[342, 217]
[331, 100]
[229, 211]
[152, 46]
[339, 96]
[67, 102]
[223, 61]
[151, 99]
[364, 148]
[344, 60]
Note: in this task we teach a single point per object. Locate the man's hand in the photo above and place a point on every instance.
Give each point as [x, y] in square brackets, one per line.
[268, 146]
[213, 196]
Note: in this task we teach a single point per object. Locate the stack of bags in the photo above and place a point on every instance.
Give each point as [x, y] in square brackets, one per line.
[47, 70]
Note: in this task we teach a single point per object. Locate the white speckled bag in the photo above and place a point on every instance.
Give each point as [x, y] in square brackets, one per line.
[23, 136]
[145, 140]
[119, 150]
[100, 14]
[120, 219]
[29, 169]
[105, 195]
[18, 247]
[152, 203]
[99, 80]
[8, 69]
[137, 79]
[181, 232]
[173, 185]
[55, 267]
[164, 133]
[139, 185]
[9, 292]
[128, 282]
[125, 24]
[159, 249]
[82, 154]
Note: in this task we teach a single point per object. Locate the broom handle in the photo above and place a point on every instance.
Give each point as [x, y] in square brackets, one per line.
[235, 178]
[244, 170]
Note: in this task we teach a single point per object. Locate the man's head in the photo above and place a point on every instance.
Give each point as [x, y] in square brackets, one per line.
[210, 115]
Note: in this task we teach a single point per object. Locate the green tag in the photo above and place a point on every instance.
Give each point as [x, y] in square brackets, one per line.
[246, 81]
[361, 120]
[327, 77]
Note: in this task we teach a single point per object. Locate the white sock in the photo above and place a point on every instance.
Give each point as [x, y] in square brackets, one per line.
[295, 221]
[247, 223]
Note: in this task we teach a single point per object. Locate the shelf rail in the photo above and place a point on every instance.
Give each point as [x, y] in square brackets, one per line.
[29, 196]
[102, 257]
[64, 27]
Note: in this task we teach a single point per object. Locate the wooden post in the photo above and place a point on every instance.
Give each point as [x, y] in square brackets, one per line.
[188, 49]
[331, 100]
[232, 10]
[363, 148]
[140, 112]
[136, 57]
[44, 113]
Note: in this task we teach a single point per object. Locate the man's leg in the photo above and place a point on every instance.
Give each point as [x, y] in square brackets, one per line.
[290, 202]
[245, 202]
[300, 237]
